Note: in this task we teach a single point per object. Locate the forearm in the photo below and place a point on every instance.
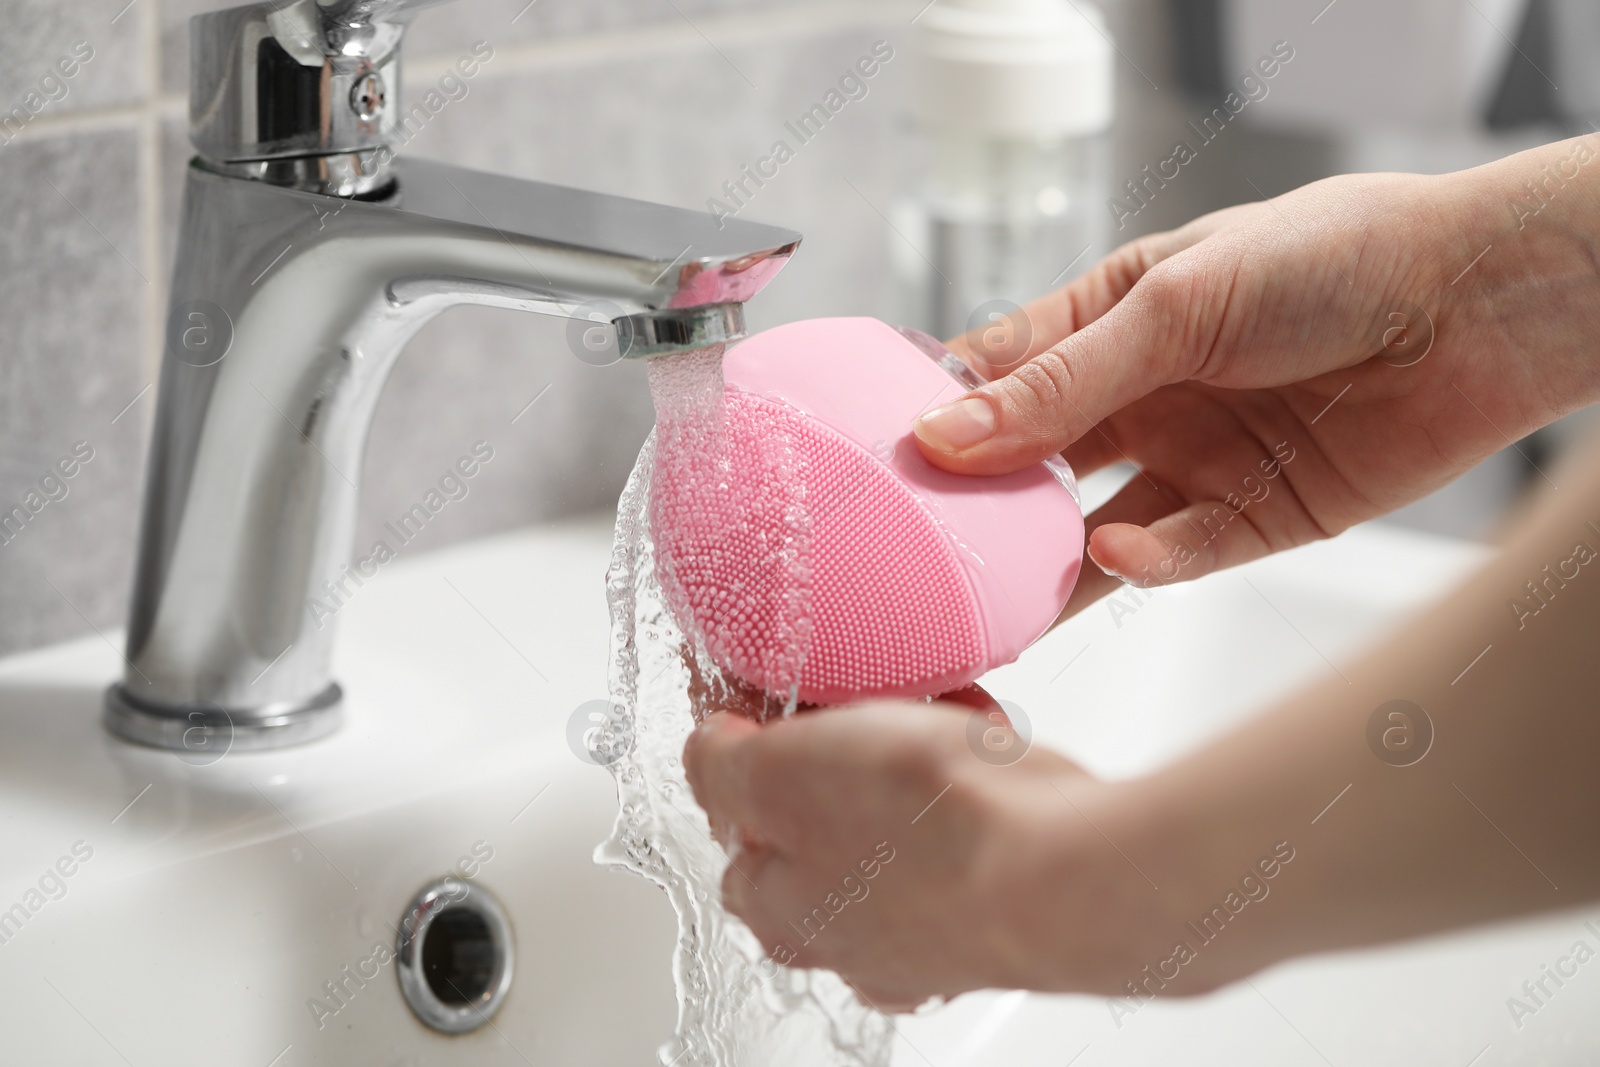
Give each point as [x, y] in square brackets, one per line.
[1518, 278]
[1499, 818]
[1193, 355]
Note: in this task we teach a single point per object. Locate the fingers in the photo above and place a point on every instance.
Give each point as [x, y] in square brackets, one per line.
[1188, 544]
[997, 347]
[973, 696]
[716, 762]
[749, 868]
[1139, 321]
[1147, 536]
[845, 872]
[1055, 398]
[782, 905]
[1143, 500]
[1093, 451]
[778, 780]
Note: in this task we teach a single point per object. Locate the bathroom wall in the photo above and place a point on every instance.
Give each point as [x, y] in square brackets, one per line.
[661, 99]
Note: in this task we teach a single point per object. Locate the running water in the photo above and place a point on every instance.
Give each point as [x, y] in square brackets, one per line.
[737, 1007]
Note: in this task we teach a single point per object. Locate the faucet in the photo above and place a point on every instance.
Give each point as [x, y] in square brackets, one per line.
[308, 256]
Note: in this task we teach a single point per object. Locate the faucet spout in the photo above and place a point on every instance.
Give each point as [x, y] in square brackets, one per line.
[289, 307]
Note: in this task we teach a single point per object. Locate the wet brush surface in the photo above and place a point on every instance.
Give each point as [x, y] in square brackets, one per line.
[737, 1007]
[802, 535]
[892, 612]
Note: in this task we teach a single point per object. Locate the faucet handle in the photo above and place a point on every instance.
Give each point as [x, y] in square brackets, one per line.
[304, 93]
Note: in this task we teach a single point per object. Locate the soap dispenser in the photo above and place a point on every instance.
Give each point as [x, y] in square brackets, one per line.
[1011, 101]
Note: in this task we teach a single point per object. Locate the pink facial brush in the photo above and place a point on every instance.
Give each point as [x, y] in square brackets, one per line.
[904, 580]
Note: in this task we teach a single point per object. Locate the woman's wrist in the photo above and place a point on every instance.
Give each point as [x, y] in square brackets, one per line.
[1523, 280]
[1122, 864]
[1375, 842]
[1201, 870]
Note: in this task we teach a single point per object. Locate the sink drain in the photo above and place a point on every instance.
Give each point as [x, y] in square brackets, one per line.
[454, 956]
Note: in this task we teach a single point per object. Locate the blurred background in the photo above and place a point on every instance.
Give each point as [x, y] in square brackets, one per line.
[670, 100]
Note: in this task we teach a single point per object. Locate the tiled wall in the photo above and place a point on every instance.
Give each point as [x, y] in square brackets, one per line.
[661, 99]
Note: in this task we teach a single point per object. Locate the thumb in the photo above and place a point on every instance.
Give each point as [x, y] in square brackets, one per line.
[1058, 396]
[716, 763]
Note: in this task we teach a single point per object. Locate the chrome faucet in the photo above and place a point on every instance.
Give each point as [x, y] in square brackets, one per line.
[308, 257]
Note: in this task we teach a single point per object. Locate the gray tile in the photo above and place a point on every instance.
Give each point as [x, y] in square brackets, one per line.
[464, 380]
[73, 305]
[174, 34]
[107, 57]
[455, 27]
[675, 127]
[452, 29]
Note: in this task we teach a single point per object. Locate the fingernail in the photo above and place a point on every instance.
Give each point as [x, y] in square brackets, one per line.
[1123, 578]
[967, 422]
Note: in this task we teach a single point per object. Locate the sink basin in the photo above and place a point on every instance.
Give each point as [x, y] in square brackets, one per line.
[1158, 679]
[225, 894]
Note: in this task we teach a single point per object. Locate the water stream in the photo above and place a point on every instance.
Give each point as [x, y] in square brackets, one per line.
[737, 1007]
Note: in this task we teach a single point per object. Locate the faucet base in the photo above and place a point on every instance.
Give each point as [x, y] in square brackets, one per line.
[202, 733]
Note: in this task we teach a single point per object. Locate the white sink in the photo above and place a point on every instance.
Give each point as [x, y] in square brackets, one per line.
[1195, 661]
[220, 902]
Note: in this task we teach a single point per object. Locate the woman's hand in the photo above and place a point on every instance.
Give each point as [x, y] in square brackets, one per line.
[879, 841]
[875, 841]
[1284, 370]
